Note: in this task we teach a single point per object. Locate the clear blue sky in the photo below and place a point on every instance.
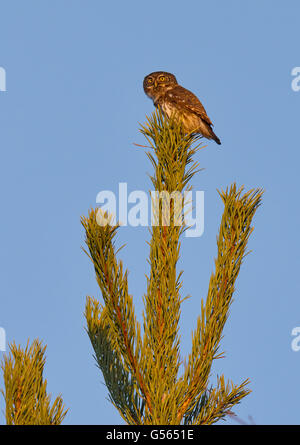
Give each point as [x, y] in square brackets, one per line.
[68, 121]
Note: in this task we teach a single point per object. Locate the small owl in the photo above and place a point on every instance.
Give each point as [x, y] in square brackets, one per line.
[172, 98]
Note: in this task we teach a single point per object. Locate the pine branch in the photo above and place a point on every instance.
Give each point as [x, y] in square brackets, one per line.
[118, 380]
[26, 398]
[234, 233]
[218, 402]
[171, 158]
[141, 373]
[121, 327]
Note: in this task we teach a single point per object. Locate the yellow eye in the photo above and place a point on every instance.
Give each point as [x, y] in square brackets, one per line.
[150, 80]
[162, 78]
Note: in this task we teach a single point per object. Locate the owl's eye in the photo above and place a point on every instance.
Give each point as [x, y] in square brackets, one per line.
[162, 78]
[150, 80]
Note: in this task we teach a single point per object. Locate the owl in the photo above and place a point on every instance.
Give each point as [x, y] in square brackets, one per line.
[173, 99]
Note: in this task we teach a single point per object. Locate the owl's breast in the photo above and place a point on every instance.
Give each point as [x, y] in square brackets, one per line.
[191, 121]
[167, 107]
[170, 107]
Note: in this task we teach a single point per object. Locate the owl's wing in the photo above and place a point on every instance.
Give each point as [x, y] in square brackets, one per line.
[187, 100]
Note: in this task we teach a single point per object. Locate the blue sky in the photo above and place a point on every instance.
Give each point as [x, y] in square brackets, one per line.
[69, 117]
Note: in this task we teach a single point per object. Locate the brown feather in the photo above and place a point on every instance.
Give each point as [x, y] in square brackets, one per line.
[163, 89]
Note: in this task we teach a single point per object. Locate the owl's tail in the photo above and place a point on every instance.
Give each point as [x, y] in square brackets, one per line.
[215, 137]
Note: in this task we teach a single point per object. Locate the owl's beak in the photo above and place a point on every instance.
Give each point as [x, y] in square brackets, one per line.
[155, 84]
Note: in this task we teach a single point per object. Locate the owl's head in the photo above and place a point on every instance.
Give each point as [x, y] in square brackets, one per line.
[158, 82]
